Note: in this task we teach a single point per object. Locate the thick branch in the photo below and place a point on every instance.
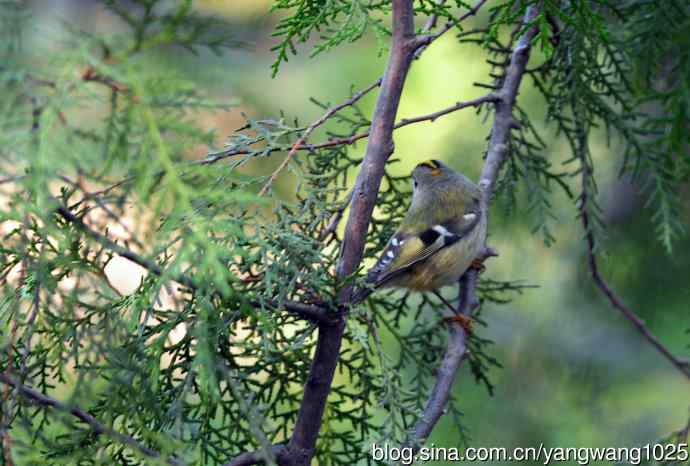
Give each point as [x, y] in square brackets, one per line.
[379, 148]
[300, 449]
[96, 426]
[682, 365]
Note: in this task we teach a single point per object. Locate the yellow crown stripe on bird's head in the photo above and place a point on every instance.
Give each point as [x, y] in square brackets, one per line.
[433, 165]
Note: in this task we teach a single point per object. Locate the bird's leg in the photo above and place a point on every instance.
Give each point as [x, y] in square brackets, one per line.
[464, 321]
[443, 300]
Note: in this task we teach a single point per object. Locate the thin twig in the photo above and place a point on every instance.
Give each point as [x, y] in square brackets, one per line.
[336, 218]
[313, 313]
[96, 426]
[431, 21]
[121, 250]
[490, 97]
[35, 304]
[256, 457]
[472, 11]
[12, 179]
[420, 45]
[79, 184]
[303, 139]
[681, 364]
[425, 40]
[349, 140]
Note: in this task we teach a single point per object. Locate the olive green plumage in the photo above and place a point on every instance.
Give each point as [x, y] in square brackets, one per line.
[442, 233]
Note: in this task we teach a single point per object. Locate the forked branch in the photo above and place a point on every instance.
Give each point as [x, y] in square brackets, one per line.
[301, 447]
[420, 44]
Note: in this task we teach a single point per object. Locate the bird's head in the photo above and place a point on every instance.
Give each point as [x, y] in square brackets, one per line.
[433, 180]
[431, 172]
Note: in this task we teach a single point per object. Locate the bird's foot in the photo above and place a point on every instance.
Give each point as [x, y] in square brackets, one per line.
[478, 264]
[464, 321]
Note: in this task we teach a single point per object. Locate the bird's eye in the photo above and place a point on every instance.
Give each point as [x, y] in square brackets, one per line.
[414, 183]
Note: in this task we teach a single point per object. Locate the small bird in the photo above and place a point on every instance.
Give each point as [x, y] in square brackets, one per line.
[439, 238]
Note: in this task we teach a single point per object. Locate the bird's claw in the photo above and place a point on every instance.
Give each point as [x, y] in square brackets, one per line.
[464, 321]
[478, 264]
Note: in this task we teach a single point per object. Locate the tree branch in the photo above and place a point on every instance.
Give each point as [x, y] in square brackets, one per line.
[310, 312]
[257, 457]
[303, 440]
[490, 97]
[423, 41]
[313, 313]
[300, 448]
[455, 353]
[122, 251]
[504, 99]
[681, 364]
[335, 219]
[349, 140]
[96, 426]
[420, 44]
[303, 139]
[503, 118]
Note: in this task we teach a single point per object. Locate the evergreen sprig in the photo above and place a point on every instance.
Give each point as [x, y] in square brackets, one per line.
[335, 22]
[210, 335]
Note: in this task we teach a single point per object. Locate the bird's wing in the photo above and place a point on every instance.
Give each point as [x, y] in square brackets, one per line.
[406, 249]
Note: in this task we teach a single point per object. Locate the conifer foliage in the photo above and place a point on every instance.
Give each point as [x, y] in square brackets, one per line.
[240, 345]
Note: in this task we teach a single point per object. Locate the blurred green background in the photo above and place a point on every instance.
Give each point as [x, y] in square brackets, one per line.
[575, 372]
